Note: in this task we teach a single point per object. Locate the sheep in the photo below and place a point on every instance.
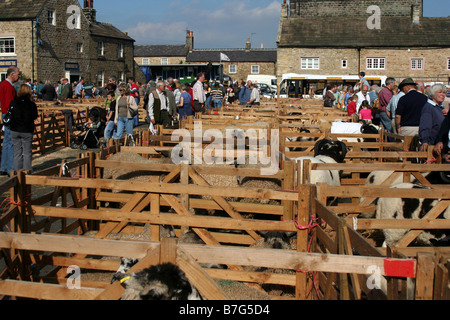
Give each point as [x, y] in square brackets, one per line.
[356, 128]
[409, 208]
[275, 240]
[161, 282]
[278, 241]
[376, 178]
[325, 151]
[299, 139]
[125, 265]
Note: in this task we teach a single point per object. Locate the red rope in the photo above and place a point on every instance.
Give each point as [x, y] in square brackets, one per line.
[311, 225]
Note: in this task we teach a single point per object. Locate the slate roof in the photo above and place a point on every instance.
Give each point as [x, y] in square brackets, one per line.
[235, 55]
[160, 50]
[20, 9]
[353, 32]
[107, 30]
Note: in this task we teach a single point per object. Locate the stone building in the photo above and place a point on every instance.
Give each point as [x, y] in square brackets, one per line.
[379, 37]
[51, 39]
[163, 61]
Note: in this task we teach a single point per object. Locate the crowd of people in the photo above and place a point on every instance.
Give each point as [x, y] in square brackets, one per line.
[165, 103]
[410, 108]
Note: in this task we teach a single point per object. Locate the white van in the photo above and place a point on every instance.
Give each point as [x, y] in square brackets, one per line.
[269, 80]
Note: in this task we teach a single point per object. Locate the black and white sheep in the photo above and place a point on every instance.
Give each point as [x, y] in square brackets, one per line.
[160, 282]
[410, 208]
[325, 151]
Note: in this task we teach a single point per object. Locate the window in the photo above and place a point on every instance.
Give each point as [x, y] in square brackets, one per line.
[165, 61]
[145, 61]
[120, 50]
[255, 69]
[344, 63]
[232, 68]
[101, 48]
[2, 76]
[51, 17]
[79, 47]
[417, 64]
[448, 64]
[310, 63]
[376, 63]
[100, 78]
[7, 46]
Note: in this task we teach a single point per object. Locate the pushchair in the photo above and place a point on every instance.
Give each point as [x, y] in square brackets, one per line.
[91, 135]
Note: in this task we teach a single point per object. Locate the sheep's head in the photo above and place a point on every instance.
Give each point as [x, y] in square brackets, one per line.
[331, 148]
[160, 282]
[277, 240]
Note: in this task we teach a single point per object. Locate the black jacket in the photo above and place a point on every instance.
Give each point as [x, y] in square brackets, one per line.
[24, 113]
[48, 93]
[410, 108]
[443, 134]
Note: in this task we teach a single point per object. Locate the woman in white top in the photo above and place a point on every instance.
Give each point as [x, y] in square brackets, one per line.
[126, 109]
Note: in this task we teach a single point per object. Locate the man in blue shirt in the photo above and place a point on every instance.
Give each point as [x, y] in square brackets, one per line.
[245, 93]
[392, 106]
[79, 88]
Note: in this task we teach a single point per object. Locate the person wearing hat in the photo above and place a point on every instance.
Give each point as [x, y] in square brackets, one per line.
[409, 109]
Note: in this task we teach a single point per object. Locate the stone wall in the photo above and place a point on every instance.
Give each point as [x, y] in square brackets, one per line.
[157, 60]
[23, 35]
[55, 47]
[398, 62]
[344, 8]
[110, 63]
[243, 69]
[330, 61]
[59, 43]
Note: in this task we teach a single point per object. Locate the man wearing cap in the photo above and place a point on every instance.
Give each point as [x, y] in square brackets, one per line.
[409, 108]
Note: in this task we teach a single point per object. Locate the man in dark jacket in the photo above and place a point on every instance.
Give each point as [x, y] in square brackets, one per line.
[409, 109]
[66, 91]
[48, 92]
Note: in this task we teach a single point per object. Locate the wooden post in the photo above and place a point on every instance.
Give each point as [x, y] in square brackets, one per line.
[168, 251]
[343, 277]
[42, 151]
[426, 263]
[184, 179]
[25, 218]
[288, 184]
[303, 214]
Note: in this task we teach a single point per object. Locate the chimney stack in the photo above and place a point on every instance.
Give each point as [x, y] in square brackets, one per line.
[415, 14]
[89, 11]
[189, 40]
[248, 45]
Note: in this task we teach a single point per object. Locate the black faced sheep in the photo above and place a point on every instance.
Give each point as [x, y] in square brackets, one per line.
[280, 241]
[410, 208]
[325, 151]
[160, 282]
[125, 265]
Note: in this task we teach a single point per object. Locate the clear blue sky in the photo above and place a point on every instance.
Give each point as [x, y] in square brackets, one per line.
[216, 24]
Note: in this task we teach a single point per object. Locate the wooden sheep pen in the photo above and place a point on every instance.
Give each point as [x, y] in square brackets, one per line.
[46, 232]
[71, 215]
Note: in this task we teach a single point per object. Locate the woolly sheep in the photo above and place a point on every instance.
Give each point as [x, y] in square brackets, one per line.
[160, 282]
[409, 208]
